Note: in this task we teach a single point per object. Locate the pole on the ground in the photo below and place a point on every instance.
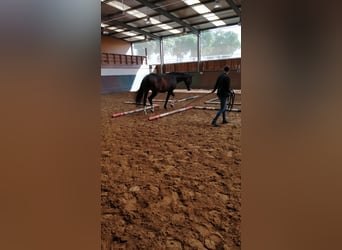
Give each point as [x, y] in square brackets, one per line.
[215, 108]
[151, 118]
[133, 111]
[187, 98]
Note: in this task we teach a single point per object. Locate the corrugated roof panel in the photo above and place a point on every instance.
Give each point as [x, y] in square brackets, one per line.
[155, 19]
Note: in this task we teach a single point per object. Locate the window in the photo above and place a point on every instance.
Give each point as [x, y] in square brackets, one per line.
[221, 43]
[151, 47]
[218, 43]
[180, 48]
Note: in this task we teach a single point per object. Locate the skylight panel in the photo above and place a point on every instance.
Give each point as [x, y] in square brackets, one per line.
[218, 23]
[112, 28]
[116, 29]
[119, 5]
[140, 37]
[128, 33]
[210, 17]
[124, 7]
[175, 31]
[136, 38]
[164, 26]
[201, 9]
[154, 21]
[191, 2]
[136, 13]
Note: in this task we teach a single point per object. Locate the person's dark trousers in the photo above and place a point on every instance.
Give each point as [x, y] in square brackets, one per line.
[223, 106]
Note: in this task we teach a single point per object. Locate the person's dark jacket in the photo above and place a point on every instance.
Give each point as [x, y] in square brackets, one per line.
[222, 85]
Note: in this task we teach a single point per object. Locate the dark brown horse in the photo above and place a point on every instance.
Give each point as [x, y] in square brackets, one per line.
[161, 83]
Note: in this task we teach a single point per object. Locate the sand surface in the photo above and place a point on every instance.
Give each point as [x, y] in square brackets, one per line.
[170, 183]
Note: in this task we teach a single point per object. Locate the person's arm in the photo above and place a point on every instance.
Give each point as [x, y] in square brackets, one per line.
[216, 85]
[229, 86]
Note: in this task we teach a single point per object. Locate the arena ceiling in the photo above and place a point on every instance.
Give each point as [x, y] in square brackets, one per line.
[138, 20]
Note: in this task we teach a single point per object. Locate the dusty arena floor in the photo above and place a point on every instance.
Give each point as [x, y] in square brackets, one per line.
[170, 183]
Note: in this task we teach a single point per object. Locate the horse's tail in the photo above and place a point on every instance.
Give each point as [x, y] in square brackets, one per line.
[140, 91]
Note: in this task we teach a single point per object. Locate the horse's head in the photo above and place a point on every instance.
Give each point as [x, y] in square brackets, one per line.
[182, 77]
[187, 80]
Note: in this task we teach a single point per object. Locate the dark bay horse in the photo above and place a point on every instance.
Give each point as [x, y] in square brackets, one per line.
[161, 83]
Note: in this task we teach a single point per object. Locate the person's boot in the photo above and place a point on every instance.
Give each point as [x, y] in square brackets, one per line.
[214, 123]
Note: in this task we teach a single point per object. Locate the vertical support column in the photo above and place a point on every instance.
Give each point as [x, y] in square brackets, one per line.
[146, 54]
[198, 51]
[161, 51]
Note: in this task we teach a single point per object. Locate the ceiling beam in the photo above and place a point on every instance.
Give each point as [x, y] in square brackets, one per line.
[234, 7]
[121, 24]
[168, 15]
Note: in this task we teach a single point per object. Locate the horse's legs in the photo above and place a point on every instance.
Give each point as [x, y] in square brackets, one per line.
[231, 99]
[154, 93]
[173, 99]
[145, 99]
[167, 99]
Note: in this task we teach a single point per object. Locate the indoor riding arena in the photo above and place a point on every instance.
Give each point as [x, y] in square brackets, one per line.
[169, 179]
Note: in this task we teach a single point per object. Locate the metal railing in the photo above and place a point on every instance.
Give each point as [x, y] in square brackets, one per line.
[108, 59]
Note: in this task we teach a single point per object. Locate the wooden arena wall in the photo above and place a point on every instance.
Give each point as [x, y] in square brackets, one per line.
[115, 46]
[125, 72]
[121, 71]
[205, 74]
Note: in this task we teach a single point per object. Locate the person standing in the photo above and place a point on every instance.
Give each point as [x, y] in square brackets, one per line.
[223, 90]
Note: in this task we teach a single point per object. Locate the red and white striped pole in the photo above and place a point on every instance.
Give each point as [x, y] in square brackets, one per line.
[204, 107]
[216, 108]
[187, 98]
[133, 111]
[169, 113]
[212, 100]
